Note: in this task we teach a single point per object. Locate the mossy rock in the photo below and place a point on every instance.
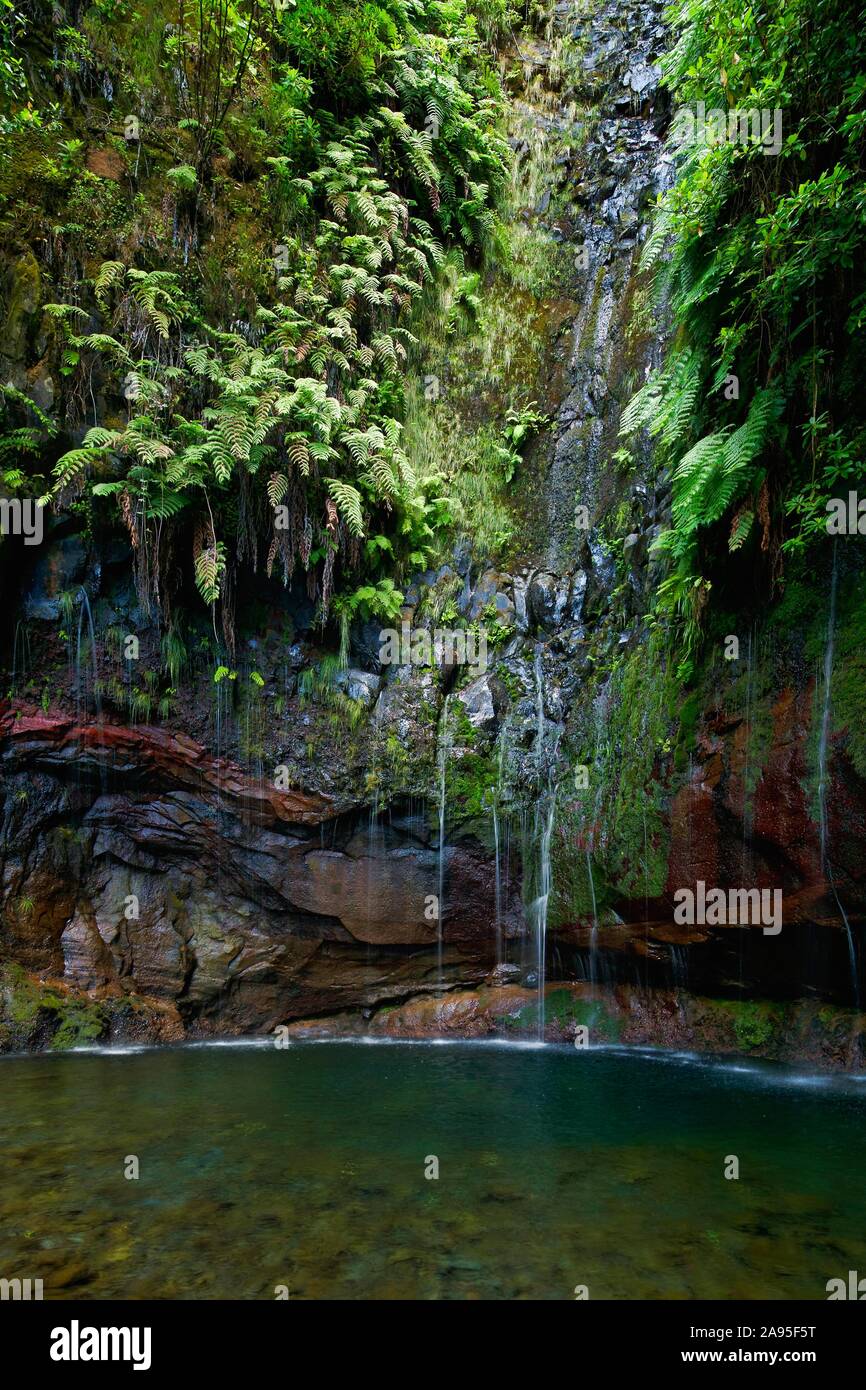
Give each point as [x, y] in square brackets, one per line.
[563, 1010]
[756, 1023]
[28, 1009]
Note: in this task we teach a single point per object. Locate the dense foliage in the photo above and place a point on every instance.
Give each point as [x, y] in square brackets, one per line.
[236, 205]
[759, 257]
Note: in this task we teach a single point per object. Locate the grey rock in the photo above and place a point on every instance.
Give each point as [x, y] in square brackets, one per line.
[547, 598]
[361, 685]
[477, 700]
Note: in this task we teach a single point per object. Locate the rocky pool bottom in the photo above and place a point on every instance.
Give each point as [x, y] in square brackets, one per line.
[308, 1167]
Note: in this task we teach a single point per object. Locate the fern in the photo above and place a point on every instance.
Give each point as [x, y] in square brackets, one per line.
[348, 501]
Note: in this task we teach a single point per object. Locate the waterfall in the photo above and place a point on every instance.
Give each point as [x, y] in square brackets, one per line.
[544, 821]
[444, 753]
[538, 853]
[20, 649]
[825, 715]
[85, 608]
[679, 967]
[375, 848]
[823, 745]
[498, 840]
[498, 890]
[593, 936]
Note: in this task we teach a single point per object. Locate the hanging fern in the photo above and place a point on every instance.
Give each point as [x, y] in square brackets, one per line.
[348, 500]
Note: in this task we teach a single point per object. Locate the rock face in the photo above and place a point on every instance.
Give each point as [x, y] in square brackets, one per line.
[133, 859]
[559, 793]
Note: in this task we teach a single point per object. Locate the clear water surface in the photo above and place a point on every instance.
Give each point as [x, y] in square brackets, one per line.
[306, 1168]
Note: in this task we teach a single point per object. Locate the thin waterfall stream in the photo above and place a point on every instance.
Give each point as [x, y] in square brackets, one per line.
[823, 747]
[444, 754]
[80, 688]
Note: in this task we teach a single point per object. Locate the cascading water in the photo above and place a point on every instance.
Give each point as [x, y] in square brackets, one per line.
[593, 936]
[538, 908]
[823, 746]
[537, 850]
[444, 753]
[80, 693]
[497, 907]
[605, 234]
[21, 655]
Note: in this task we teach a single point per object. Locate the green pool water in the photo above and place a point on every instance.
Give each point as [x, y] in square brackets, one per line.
[306, 1168]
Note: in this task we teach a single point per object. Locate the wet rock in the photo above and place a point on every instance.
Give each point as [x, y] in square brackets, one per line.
[61, 565]
[490, 598]
[85, 960]
[151, 757]
[359, 685]
[546, 600]
[483, 700]
[643, 78]
[365, 644]
[634, 549]
[504, 975]
[184, 895]
[40, 386]
[23, 296]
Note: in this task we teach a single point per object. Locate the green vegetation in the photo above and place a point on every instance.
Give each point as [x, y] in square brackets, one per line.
[755, 1022]
[620, 816]
[759, 254]
[73, 1020]
[562, 1012]
[233, 273]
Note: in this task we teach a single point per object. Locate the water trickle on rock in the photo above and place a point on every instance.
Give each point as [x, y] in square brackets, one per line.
[444, 754]
[823, 746]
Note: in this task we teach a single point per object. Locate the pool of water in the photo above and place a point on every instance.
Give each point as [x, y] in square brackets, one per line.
[307, 1168]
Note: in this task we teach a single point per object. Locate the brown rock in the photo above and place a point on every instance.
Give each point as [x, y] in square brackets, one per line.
[107, 163]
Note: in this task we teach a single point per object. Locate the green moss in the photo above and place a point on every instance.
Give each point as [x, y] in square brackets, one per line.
[756, 1023]
[77, 1020]
[21, 1000]
[849, 673]
[562, 1009]
[687, 724]
[471, 784]
[628, 757]
[510, 681]
[794, 617]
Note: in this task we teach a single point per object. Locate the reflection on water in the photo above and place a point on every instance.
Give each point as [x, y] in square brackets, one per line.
[306, 1167]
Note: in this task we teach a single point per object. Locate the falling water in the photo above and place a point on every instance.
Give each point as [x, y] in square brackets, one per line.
[498, 890]
[497, 840]
[600, 710]
[825, 715]
[679, 967]
[822, 777]
[375, 849]
[593, 936]
[21, 658]
[444, 753]
[85, 608]
[542, 833]
[538, 907]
